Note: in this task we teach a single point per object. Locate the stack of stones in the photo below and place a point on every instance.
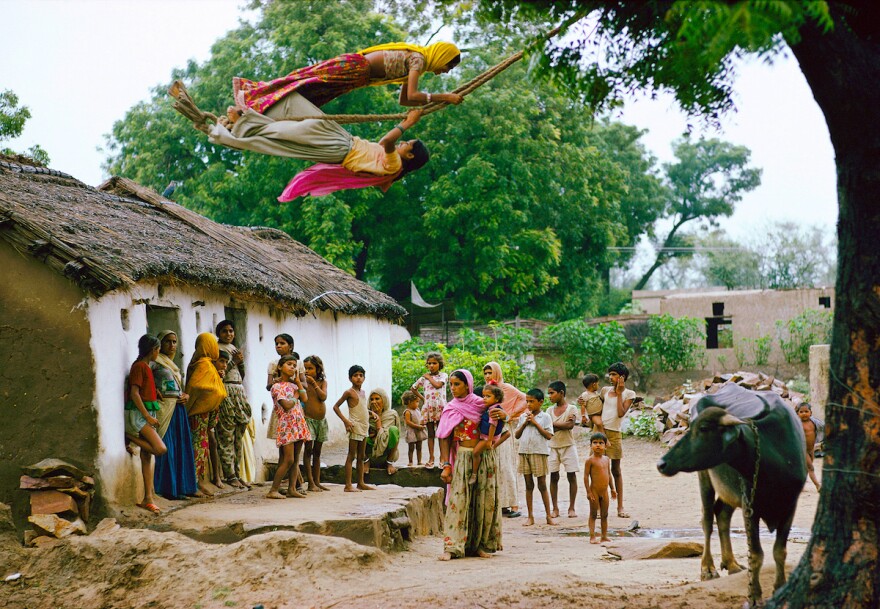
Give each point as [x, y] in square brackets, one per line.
[60, 498]
[674, 411]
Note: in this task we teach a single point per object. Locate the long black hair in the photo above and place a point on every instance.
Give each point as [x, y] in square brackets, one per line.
[421, 155]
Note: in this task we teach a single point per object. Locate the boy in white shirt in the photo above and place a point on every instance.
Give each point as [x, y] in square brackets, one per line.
[617, 399]
[534, 433]
[563, 452]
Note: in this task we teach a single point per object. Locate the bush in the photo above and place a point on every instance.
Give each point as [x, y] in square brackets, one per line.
[674, 344]
[515, 342]
[754, 351]
[587, 348]
[643, 426]
[799, 333]
[800, 384]
[408, 364]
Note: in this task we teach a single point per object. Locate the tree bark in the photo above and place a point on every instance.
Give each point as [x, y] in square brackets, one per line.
[840, 567]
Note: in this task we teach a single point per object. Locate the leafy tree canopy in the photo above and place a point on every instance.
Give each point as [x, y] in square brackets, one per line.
[12, 120]
[513, 215]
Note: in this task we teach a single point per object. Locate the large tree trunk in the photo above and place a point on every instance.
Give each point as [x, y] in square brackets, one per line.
[840, 568]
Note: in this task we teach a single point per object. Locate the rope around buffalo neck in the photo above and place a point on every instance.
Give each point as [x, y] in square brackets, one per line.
[749, 505]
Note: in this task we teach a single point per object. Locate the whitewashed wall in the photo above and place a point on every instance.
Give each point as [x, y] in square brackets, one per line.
[340, 342]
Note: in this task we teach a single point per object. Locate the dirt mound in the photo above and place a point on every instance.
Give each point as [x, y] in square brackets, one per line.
[118, 567]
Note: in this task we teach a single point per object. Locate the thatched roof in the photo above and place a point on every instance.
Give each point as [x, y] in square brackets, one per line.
[113, 236]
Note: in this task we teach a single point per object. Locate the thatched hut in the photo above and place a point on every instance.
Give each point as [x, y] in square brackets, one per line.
[87, 271]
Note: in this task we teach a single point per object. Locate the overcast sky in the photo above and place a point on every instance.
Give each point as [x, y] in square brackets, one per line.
[80, 64]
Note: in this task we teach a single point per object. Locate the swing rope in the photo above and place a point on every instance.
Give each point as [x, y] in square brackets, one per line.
[184, 104]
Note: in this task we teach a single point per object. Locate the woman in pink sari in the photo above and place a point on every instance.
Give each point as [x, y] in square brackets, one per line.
[514, 404]
[344, 161]
[472, 525]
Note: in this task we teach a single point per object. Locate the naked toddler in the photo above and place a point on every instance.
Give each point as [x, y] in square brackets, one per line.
[597, 480]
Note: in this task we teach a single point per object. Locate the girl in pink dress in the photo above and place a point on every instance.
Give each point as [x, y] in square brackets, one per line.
[292, 427]
[434, 384]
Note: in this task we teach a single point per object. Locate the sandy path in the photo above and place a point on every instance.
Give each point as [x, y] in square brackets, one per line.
[541, 566]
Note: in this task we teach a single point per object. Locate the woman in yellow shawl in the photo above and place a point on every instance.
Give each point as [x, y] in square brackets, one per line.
[205, 389]
[392, 63]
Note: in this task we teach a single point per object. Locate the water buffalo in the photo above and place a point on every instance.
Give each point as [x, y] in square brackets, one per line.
[720, 445]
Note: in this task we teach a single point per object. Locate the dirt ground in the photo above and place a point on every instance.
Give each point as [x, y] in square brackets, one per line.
[540, 566]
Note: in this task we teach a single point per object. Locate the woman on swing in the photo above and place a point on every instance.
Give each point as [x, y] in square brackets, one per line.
[391, 63]
[343, 161]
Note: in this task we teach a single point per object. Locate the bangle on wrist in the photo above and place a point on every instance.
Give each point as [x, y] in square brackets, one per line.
[402, 130]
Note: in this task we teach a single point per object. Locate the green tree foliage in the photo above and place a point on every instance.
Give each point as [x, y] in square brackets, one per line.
[514, 213]
[792, 256]
[754, 351]
[798, 334]
[588, 348]
[12, 120]
[674, 344]
[705, 183]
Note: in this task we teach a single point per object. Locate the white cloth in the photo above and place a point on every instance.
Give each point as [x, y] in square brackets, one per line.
[610, 419]
[531, 442]
[564, 457]
[508, 480]
[563, 437]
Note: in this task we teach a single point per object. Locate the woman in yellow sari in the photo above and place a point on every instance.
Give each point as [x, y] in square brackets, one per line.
[206, 391]
[392, 63]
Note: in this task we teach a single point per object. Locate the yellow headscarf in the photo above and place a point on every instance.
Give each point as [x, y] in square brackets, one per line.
[436, 55]
[203, 382]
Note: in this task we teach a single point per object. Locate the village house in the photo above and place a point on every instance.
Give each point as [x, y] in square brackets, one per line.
[87, 271]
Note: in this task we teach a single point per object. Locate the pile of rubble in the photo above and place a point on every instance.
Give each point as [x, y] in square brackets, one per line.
[60, 498]
[673, 412]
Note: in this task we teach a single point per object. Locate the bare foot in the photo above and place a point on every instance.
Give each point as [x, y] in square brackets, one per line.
[621, 513]
[550, 521]
[594, 539]
[571, 513]
[366, 487]
[472, 479]
[205, 491]
[605, 540]
[219, 484]
[391, 470]
[554, 513]
[445, 556]
[351, 489]
[235, 483]
[274, 495]
[321, 486]
[529, 522]
[483, 554]
[292, 492]
[199, 494]
[130, 449]
[314, 488]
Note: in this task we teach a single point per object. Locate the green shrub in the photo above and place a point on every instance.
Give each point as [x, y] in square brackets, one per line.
[515, 342]
[800, 384]
[643, 426]
[798, 334]
[588, 348]
[408, 364]
[674, 344]
[754, 351]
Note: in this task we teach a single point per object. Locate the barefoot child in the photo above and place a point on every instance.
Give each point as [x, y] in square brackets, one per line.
[292, 427]
[316, 412]
[416, 431]
[811, 430]
[141, 407]
[357, 425]
[490, 429]
[534, 433]
[434, 382]
[563, 452]
[597, 480]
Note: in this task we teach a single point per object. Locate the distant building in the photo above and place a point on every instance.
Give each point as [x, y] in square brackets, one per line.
[732, 315]
[87, 271]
